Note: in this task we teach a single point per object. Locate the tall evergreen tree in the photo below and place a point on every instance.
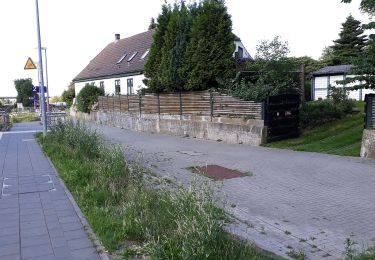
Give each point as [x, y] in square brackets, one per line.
[364, 65]
[209, 52]
[152, 66]
[174, 48]
[350, 44]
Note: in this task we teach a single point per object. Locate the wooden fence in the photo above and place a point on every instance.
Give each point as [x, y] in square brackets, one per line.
[202, 103]
[370, 111]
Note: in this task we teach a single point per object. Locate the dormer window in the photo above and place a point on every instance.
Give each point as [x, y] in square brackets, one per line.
[132, 57]
[145, 54]
[121, 59]
[240, 52]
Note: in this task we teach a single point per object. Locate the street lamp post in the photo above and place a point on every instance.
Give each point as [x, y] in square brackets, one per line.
[45, 57]
[40, 70]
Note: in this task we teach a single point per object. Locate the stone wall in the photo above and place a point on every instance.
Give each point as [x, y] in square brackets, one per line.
[368, 144]
[230, 130]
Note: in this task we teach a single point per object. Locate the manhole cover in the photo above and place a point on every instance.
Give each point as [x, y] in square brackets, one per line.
[217, 172]
[29, 184]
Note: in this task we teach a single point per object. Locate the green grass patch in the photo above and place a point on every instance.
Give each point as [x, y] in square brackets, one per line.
[341, 137]
[123, 207]
[24, 117]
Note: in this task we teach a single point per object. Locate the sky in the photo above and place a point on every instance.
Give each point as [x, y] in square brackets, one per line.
[75, 31]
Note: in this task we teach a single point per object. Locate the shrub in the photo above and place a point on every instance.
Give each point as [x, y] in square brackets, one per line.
[87, 97]
[68, 95]
[315, 113]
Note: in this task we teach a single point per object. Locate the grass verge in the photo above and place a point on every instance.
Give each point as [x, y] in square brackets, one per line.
[24, 117]
[133, 216]
[341, 137]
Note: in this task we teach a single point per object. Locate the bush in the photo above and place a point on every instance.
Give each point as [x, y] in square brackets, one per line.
[315, 113]
[68, 95]
[87, 97]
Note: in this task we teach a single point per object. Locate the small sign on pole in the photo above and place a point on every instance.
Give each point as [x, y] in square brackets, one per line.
[30, 65]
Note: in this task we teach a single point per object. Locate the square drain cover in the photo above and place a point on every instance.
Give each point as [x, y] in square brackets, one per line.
[217, 172]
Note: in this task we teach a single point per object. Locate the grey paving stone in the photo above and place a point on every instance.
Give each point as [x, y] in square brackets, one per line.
[11, 249]
[75, 234]
[31, 205]
[9, 223]
[8, 240]
[36, 251]
[35, 241]
[31, 211]
[9, 231]
[56, 232]
[32, 217]
[11, 257]
[85, 253]
[59, 242]
[14, 210]
[32, 224]
[79, 243]
[35, 231]
[44, 257]
[68, 219]
[62, 252]
[72, 226]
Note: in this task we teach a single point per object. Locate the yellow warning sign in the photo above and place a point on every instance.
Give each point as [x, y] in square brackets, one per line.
[30, 65]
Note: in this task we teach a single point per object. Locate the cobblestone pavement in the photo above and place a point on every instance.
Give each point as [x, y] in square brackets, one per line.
[294, 200]
[37, 218]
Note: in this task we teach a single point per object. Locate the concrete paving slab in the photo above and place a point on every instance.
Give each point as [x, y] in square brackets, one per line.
[31, 193]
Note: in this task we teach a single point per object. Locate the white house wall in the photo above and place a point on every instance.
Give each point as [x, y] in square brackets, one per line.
[109, 84]
[321, 88]
[246, 54]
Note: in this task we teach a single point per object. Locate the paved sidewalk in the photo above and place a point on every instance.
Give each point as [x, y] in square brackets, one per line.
[37, 219]
[295, 200]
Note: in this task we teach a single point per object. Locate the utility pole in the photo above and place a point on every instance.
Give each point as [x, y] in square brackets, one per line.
[45, 58]
[40, 70]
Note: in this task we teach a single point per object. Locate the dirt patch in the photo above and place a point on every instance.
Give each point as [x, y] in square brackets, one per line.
[217, 172]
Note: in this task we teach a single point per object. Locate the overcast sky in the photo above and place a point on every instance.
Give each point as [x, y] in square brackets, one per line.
[75, 31]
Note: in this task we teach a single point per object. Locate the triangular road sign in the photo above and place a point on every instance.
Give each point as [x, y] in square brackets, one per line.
[30, 65]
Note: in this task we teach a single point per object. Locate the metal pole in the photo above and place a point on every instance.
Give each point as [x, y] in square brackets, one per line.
[40, 69]
[45, 56]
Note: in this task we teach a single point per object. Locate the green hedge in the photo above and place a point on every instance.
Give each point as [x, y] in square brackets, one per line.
[316, 113]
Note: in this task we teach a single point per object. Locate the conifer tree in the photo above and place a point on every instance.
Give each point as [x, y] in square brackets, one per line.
[350, 44]
[364, 65]
[210, 49]
[152, 66]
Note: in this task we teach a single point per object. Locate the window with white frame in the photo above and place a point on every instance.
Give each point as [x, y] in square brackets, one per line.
[101, 85]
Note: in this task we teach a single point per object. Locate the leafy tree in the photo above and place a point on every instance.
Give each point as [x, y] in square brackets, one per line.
[68, 95]
[208, 56]
[24, 90]
[364, 65]
[152, 66]
[350, 44]
[272, 50]
[87, 97]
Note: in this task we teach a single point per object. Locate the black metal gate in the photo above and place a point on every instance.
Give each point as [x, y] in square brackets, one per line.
[370, 111]
[281, 116]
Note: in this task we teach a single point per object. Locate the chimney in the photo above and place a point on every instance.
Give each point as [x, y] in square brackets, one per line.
[117, 37]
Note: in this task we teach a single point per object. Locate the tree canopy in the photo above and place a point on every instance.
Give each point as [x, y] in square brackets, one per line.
[24, 90]
[364, 65]
[350, 44]
[87, 97]
[192, 48]
[68, 95]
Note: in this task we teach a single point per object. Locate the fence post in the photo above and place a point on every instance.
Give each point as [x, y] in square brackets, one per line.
[127, 97]
[113, 103]
[107, 103]
[119, 99]
[211, 105]
[158, 95]
[140, 105]
[180, 105]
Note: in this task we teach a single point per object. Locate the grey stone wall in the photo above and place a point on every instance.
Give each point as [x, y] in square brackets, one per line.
[368, 144]
[230, 130]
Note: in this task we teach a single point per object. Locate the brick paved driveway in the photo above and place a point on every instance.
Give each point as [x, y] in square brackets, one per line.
[37, 219]
[305, 201]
